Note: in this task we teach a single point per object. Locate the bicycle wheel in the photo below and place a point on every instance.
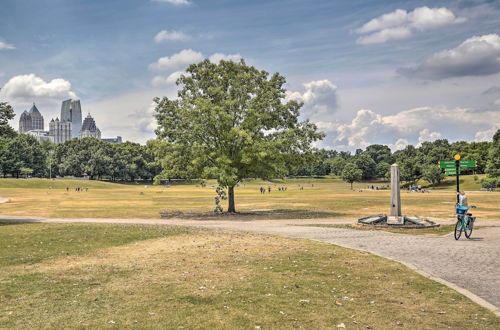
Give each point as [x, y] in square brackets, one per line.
[458, 229]
[468, 227]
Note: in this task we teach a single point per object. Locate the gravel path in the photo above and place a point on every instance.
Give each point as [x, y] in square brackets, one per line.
[473, 265]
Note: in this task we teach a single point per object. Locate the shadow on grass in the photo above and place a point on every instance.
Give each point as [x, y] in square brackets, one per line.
[17, 222]
[279, 214]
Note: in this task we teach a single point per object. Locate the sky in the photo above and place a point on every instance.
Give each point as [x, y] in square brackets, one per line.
[385, 72]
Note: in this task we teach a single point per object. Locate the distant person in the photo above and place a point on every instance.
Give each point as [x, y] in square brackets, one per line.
[462, 199]
[67, 188]
[269, 189]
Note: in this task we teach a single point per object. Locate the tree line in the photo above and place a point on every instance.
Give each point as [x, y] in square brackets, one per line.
[415, 163]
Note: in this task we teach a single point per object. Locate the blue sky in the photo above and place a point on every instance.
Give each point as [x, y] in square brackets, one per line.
[425, 70]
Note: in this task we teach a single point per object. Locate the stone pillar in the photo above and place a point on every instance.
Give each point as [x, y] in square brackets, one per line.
[395, 217]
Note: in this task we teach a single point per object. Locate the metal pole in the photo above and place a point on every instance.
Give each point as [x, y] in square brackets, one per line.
[457, 167]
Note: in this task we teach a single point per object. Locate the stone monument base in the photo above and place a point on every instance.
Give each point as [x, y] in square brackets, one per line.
[382, 220]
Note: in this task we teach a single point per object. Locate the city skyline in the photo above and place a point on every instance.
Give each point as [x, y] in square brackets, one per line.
[399, 72]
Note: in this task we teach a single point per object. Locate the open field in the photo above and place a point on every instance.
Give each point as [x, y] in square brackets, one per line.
[320, 197]
[171, 277]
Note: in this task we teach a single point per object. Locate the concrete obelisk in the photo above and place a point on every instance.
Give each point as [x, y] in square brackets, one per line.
[395, 217]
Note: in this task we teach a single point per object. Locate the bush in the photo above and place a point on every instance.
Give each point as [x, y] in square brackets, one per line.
[490, 183]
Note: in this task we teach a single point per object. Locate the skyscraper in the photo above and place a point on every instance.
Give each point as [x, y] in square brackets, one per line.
[25, 124]
[31, 120]
[60, 130]
[71, 111]
[89, 128]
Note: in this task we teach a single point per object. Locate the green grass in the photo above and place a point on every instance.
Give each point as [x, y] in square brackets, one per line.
[216, 280]
[32, 243]
[327, 197]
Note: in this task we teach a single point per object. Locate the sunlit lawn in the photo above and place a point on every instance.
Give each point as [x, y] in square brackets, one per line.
[127, 276]
[327, 197]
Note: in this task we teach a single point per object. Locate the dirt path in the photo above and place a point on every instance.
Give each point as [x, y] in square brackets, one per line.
[473, 265]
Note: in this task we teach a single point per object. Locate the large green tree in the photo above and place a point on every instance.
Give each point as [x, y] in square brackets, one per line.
[351, 173]
[231, 122]
[6, 114]
[493, 165]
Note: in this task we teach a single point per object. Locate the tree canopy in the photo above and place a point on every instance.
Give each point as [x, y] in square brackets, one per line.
[6, 114]
[231, 122]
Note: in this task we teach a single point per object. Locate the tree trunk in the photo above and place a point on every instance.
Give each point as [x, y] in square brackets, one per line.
[351, 185]
[230, 193]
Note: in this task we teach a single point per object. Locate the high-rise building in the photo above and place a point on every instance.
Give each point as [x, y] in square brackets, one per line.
[71, 111]
[89, 128]
[60, 130]
[31, 120]
[25, 124]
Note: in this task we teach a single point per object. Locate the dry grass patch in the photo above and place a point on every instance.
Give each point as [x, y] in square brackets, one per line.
[227, 280]
[320, 198]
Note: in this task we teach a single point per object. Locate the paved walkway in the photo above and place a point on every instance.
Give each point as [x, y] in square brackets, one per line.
[473, 265]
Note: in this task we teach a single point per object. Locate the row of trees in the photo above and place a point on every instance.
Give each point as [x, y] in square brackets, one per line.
[415, 162]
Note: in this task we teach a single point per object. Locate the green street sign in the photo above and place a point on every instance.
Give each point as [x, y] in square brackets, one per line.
[467, 163]
[450, 164]
[447, 164]
[451, 171]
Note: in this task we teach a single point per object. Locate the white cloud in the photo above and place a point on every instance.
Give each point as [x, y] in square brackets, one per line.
[486, 135]
[29, 88]
[414, 125]
[401, 24]
[171, 35]
[497, 102]
[177, 61]
[399, 145]
[175, 2]
[426, 135]
[395, 18]
[425, 18]
[6, 46]
[170, 80]
[319, 97]
[181, 60]
[217, 57]
[397, 33]
[476, 56]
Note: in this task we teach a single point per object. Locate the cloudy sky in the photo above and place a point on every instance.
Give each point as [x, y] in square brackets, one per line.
[391, 72]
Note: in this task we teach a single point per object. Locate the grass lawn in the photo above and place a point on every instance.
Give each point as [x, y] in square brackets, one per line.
[122, 276]
[437, 231]
[320, 197]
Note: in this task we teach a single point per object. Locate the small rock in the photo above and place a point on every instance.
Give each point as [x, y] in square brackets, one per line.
[341, 325]
[304, 300]
[441, 313]
[112, 322]
[338, 303]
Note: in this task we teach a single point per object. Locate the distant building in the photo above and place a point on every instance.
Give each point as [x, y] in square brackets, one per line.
[117, 139]
[25, 124]
[41, 135]
[31, 120]
[71, 111]
[60, 130]
[89, 128]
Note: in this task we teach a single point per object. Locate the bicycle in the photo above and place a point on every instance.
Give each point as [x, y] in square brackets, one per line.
[465, 222]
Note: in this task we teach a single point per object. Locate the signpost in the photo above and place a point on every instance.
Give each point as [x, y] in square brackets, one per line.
[452, 167]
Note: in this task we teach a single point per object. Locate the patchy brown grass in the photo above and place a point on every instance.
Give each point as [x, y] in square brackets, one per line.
[227, 280]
